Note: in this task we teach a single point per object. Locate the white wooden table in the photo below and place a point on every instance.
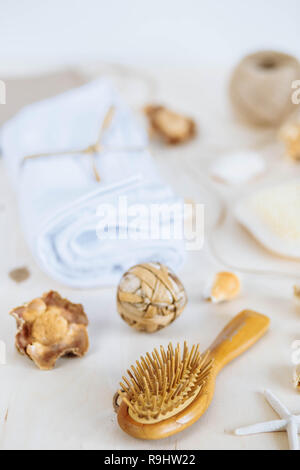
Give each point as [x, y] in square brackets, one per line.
[71, 406]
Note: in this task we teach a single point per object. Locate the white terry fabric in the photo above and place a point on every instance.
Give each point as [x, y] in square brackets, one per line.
[59, 196]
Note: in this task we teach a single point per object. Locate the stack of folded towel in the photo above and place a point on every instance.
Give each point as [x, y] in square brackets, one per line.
[62, 204]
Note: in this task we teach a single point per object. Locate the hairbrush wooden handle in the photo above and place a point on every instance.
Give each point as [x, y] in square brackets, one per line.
[239, 335]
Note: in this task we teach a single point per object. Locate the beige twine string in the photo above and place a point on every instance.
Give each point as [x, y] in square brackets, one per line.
[92, 149]
[116, 402]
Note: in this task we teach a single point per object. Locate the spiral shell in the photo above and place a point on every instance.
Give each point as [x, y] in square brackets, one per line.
[150, 297]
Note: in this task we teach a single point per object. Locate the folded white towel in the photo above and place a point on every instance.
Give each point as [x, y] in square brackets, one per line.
[59, 197]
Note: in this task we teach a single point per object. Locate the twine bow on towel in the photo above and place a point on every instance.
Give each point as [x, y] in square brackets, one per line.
[92, 149]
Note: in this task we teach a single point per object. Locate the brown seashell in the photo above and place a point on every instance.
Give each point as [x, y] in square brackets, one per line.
[150, 297]
[172, 127]
[51, 327]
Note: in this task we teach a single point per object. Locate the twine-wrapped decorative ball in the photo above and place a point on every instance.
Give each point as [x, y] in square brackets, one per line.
[260, 87]
[150, 297]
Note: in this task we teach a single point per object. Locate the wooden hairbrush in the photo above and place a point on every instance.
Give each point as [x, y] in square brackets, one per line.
[167, 391]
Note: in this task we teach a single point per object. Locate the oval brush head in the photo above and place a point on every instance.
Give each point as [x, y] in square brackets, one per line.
[163, 383]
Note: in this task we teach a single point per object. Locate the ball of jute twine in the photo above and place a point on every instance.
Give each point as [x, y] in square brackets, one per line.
[150, 297]
[261, 87]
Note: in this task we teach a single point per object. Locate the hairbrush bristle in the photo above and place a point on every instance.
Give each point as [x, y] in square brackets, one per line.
[162, 384]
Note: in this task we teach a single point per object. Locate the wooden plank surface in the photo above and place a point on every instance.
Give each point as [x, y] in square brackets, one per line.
[71, 406]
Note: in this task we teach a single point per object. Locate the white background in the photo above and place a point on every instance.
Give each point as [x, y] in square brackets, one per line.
[170, 32]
